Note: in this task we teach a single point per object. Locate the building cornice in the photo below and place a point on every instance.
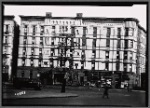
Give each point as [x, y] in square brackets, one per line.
[98, 19]
[9, 17]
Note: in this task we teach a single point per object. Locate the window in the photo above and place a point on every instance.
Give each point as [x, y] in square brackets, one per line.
[128, 32]
[73, 30]
[108, 32]
[83, 41]
[131, 55]
[31, 62]
[119, 33]
[45, 63]
[25, 29]
[23, 62]
[7, 29]
[107, 66]
[126, 43]
[41, 38]
[24, 42]
[24, 53]
[40, 50]
[34, 29]
[94, 31]
[84, 31]
[118, 44]
[6, 39]
[94, 42]
[39, 63]
[117, 66]
[32, 51]
[42, 30]
[25, 37]
[125, 67]
[53, 27]
[93, 51]
[107, 55]
[41, 43]
[107, 43]
[131, 44]
[125, 54]
[24, 49]
[130, 68]
[33, 40]
[118, 55]
[76, 65]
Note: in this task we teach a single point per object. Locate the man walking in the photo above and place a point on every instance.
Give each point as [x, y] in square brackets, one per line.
[106, 88]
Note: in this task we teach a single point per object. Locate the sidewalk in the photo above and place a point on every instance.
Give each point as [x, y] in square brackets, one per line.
[53, 92]
[17, 94]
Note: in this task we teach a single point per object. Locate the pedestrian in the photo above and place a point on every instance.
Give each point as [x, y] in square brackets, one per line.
[106, 88]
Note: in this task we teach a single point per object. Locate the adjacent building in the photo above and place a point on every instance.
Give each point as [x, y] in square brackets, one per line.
[89, 48]
[7, 46]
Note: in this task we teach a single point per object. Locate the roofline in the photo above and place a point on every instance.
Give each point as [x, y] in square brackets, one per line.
[140, 27]
[9, 16]
[84, 18]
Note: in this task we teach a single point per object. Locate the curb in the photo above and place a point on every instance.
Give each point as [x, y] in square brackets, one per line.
[29, 97]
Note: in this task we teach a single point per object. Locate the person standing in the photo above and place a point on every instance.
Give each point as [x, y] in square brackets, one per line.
[105, 94]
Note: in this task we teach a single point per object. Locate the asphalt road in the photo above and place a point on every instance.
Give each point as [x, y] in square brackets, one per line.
[85, 98]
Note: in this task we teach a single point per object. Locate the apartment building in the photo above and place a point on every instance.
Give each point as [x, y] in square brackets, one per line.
[7, 47]
[87, 47]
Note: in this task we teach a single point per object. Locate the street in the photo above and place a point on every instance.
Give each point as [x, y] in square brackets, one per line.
[86, 97]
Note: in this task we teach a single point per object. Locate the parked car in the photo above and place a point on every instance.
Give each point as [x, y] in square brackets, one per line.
[26, 82]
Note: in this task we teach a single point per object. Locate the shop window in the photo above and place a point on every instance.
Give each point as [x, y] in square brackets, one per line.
[31, 74]
[22, 74]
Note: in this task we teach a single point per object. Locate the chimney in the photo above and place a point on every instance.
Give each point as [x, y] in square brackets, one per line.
[79, 15]
[48, 14]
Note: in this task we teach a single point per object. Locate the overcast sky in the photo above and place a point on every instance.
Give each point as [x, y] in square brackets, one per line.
[135, 11]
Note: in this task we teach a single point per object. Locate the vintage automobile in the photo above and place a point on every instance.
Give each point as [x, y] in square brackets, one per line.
[27, 83]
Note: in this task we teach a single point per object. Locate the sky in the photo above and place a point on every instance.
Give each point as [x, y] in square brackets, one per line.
[135, 11]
